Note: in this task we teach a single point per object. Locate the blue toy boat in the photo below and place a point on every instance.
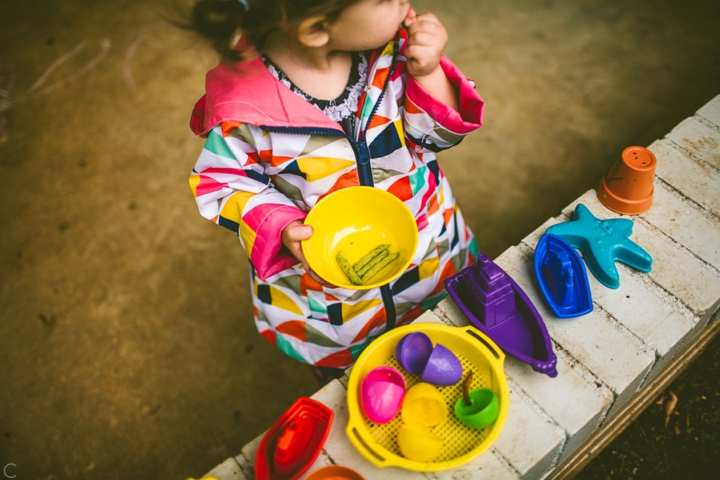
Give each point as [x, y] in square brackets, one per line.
[562, 277]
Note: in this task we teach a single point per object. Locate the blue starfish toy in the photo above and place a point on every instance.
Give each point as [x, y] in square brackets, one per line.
[603, 242]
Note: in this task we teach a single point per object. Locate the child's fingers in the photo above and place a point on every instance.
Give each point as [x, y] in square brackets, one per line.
[428, 17]
[424, 39]
[425, 18]
[414, 19]
[293, 234]
[296, 251]
[426, 29]
[297, 232]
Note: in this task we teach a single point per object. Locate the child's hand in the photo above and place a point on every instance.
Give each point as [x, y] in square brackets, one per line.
[291, 238]
[426, 39]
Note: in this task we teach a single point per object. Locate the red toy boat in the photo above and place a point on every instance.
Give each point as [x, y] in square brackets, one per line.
[291, 445]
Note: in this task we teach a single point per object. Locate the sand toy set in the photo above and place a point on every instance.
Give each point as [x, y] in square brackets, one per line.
[431, 397]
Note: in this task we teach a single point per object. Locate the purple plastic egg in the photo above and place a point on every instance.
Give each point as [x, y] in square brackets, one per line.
[381, 394]
[413, 351]
[443, 367]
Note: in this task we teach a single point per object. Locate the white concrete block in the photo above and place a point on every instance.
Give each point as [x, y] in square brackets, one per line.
[702, 321]
[597, 341]
[249, 452]
[245, 466]
[431, 317]
[534, 238]
[691, 227]
[228, 470]
[699, 139]
[331, 395]
[674, 268]
[574, 401]
[680, 272]
[345, 378]
[528, 441]
[653, 315]
[487, 466]
[696, 180]
[662, 322]
[448, 310]
[711, 111]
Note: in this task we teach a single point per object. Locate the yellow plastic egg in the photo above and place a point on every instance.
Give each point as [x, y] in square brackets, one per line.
[424, 406]
[417, 444]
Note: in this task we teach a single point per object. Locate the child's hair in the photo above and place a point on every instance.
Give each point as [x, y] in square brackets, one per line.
[220, 21]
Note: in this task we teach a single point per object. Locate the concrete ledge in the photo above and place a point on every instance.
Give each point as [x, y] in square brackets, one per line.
[710, 112]
[698, 139]
[689, 177]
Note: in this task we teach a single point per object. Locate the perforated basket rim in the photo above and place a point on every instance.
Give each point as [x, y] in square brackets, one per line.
[359, 428]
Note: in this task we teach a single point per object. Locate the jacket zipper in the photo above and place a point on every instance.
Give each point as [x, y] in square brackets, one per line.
[360, 148]
[362, 156]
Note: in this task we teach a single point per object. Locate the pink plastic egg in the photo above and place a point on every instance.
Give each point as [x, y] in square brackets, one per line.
[381, 394]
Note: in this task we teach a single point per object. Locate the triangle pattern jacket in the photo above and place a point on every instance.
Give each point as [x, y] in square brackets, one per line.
[269, 156]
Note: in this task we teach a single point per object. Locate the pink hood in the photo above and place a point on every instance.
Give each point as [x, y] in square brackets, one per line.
[247, 92]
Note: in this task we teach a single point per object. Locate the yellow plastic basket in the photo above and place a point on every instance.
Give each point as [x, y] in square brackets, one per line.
[477, 353]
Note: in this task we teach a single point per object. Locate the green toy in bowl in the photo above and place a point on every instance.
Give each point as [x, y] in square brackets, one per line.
[358, 222]
[482, 410]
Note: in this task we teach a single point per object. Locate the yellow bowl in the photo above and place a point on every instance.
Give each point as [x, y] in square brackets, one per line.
[460, 444]
[355, 220]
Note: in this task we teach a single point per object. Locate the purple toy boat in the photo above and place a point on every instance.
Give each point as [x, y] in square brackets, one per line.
[497, 305]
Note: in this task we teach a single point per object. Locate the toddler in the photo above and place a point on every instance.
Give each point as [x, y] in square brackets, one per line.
[313, 96]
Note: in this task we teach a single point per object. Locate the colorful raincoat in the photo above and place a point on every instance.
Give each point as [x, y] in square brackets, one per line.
[270, 156]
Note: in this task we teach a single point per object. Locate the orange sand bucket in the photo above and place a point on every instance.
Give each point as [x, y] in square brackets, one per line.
[628, 187]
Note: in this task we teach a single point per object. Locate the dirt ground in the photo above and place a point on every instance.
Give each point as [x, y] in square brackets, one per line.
[676, 437]
[128, 348]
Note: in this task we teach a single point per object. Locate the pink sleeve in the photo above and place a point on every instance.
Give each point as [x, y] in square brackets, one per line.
[268, 221]
[470, 115]
[232, 190]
